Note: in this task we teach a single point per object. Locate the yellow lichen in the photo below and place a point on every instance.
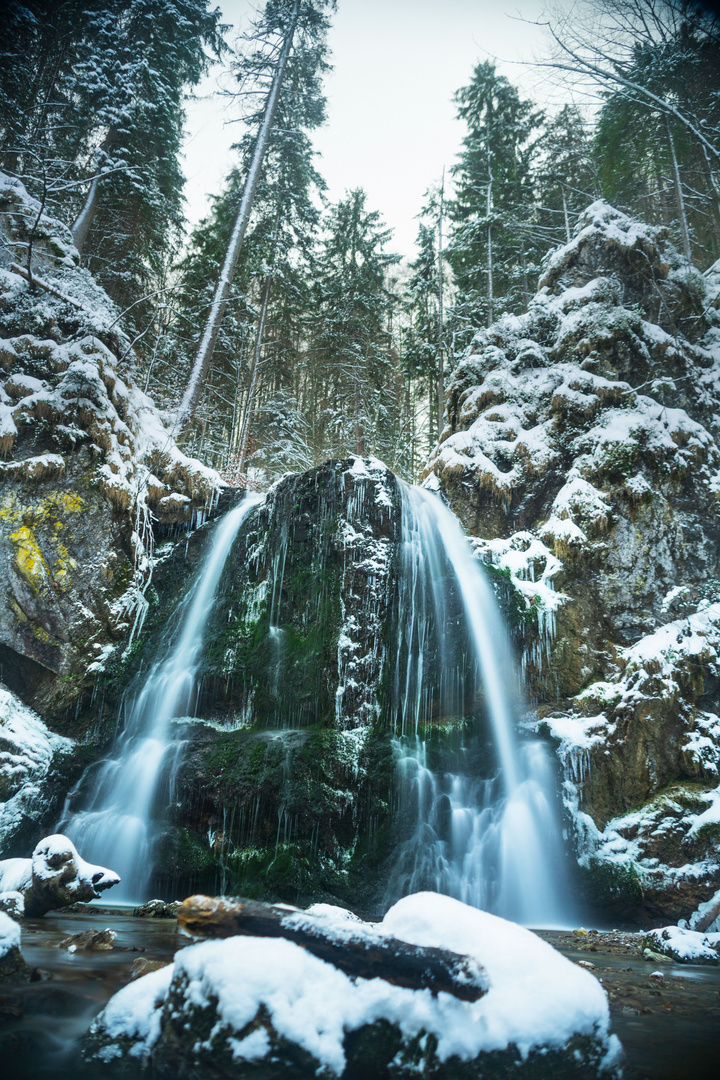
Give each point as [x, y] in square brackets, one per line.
[29, 558]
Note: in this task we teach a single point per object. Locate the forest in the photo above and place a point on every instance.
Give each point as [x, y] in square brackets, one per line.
[326, 345]
[359, 612]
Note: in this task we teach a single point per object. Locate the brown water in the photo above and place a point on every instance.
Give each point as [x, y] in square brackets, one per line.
[670, 1027]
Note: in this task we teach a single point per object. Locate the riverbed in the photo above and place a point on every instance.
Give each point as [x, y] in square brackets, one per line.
[668, 1024]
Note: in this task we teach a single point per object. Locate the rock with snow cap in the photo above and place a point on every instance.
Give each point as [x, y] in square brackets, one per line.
[252, 1007]
[56, 876]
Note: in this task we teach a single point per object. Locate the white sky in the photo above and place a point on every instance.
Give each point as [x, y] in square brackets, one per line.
[391, 120]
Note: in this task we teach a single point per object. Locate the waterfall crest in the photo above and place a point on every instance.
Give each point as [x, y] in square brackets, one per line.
[491, 840]
[116, 825]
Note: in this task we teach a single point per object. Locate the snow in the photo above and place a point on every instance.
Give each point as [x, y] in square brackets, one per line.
[134, 1012]
[9, 934]
[537, 998]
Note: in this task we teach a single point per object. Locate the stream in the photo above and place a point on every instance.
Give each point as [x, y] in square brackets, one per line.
[670, 1027]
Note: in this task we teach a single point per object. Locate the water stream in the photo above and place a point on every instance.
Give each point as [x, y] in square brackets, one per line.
[480, 818]
[116, 826]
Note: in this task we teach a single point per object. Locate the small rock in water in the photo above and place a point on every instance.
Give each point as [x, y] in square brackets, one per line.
[586, 964]
[157, 909]
[657, 975]
[656, 957]
[143, 966]
[581, 932]
[88, 941]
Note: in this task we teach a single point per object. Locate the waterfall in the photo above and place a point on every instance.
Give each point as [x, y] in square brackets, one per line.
[116, 826]
[479, 816]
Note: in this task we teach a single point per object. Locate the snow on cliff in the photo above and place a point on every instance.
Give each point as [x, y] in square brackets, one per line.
[27, 750]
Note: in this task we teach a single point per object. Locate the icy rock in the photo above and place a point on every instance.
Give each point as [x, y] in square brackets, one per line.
[269, 1007]
[56, 876]
[683, 946]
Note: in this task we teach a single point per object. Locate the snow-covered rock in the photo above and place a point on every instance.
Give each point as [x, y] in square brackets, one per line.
[227, 1004]
[12, 964]
[582, 451]
[88, 462]
[684, 946]
[54, 877]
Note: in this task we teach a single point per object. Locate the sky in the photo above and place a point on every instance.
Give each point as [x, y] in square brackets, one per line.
[391, 119]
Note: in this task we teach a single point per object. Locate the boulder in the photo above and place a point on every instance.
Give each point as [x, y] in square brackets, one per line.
[56, 876]
[157, 909]
[248, 1006]
[682, 946]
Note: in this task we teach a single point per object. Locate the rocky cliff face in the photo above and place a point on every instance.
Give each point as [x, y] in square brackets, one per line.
[86, 460]
[86, 463]
[582, 451]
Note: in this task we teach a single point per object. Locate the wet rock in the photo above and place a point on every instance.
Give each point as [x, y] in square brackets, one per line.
[143, 966]
[157, 909]
[55, 877]
[291, 692]
[89, 941]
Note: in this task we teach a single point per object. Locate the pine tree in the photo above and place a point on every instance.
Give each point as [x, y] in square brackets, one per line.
[491, 247]
[353, 396]
[91, 115]
[260, 341]
[281, 24]
[566, 176]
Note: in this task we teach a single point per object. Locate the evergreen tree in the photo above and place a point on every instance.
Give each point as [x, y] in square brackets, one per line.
[566, 180]
[285, 27]
[492, 248]
[274, 271]
[354, 391]
[91, 115]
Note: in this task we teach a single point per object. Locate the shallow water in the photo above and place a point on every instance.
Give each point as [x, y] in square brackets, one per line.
[670, 1027]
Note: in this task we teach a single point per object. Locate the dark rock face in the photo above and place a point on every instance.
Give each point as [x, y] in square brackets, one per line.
[582, 447]
[290, 761]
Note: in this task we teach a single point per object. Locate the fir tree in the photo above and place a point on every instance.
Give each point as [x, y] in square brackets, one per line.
[353, 396]
[491, 247]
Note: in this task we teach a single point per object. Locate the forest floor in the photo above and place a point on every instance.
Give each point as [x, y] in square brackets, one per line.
[669, 1025]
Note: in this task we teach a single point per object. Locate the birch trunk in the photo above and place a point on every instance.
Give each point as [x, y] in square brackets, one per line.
[204, 354]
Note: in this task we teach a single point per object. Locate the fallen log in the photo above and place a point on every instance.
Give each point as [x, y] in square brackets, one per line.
[356, 948]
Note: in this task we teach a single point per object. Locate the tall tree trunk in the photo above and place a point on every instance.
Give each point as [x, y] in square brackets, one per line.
[567, 216]
[245, 432]
[491, 316]
[83, 222]
[206, 347]
[684, 231]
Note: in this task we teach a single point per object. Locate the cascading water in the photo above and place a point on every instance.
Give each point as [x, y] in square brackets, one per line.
[116, 827]
[491, 840]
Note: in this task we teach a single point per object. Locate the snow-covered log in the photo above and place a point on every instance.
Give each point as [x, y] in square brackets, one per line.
[54, 877]
[352, 946]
